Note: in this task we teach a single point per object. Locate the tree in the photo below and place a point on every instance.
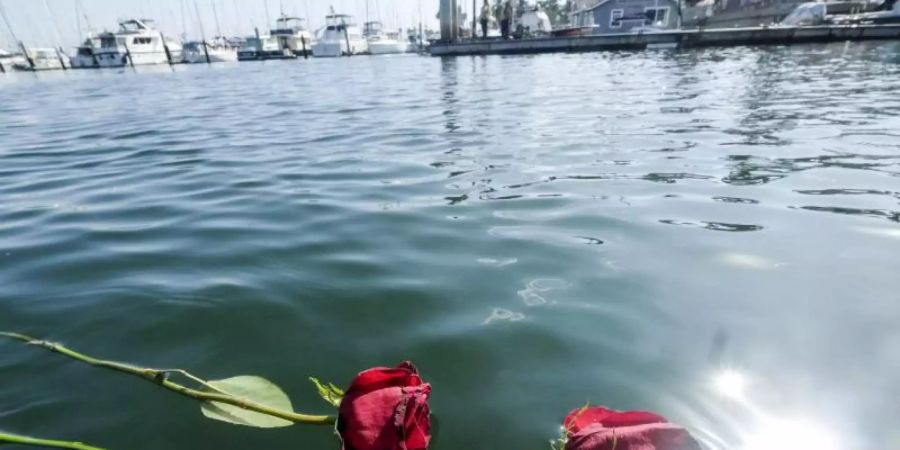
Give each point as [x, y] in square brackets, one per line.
[558, 13]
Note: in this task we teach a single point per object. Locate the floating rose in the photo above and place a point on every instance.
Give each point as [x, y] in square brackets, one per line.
[386, 409]
[598, 428]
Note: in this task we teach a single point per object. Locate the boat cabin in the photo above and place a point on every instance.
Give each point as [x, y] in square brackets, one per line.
[337, 22]
[288, 26]
[137, 25]
[372, 29]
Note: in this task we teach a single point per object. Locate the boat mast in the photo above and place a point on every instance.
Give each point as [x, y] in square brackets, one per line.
[15, 38]
[421, 30]
[202, 33]
[216, 15]
[78, 23]
[183, 23]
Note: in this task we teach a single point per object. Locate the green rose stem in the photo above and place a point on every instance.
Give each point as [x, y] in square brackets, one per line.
[50, 443]
[160, 377]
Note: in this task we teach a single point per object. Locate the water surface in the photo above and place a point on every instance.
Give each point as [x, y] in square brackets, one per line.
[535, 232]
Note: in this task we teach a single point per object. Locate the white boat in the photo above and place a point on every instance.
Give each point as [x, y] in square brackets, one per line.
[535, 21]
[339, 37]
[259, 48]
[85, 54]
[384, 43]
[292, 36]
[219, 50]
[36, 59]
[137, 42]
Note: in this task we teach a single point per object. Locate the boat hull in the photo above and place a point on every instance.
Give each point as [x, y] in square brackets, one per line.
[83, 62]
[215, 56]
[121, 59]
[388, 48]
[333, 49]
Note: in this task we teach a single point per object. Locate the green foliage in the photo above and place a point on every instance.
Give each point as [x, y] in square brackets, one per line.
[330, 393]
[253, 389]
[558, 12]
[560, 442]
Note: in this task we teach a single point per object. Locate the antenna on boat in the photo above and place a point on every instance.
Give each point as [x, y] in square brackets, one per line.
[202, 33]
[268, 17]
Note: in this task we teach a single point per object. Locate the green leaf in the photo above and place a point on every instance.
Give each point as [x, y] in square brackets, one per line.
[254, 389]
[330, 393]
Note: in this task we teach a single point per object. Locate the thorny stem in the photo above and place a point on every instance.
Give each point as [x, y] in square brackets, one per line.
[49, 443]
[159, 377]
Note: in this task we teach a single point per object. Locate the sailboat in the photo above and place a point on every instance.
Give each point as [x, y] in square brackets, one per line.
[339, 37]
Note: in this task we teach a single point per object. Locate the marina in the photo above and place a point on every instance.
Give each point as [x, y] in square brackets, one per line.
[589, 25]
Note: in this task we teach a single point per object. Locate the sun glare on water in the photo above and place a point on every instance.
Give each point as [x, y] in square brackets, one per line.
[791, 434]
[770, 431]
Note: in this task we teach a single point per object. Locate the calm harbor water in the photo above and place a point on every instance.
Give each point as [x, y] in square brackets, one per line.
[535, 232]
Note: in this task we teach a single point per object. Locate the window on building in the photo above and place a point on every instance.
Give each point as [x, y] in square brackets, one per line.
[657, 16]
[615, 18]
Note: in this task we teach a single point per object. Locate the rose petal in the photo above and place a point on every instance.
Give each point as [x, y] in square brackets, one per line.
[653, 436]
[610, 418]
[370, 380]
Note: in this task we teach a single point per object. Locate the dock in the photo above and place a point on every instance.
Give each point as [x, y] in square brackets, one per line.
[722, 37]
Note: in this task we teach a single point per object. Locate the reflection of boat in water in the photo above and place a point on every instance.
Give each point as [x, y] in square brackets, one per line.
[384, 43]
[219, 50]
[137, 42]
[339, 37]
[40, 59]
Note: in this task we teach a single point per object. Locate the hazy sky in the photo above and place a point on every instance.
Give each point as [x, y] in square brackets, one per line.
[53, 22]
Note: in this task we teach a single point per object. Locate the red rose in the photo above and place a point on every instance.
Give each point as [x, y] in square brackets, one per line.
[599, 428]
[386, 409]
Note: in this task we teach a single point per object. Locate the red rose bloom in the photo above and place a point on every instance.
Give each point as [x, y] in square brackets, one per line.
[386, 409]
[599, 428]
